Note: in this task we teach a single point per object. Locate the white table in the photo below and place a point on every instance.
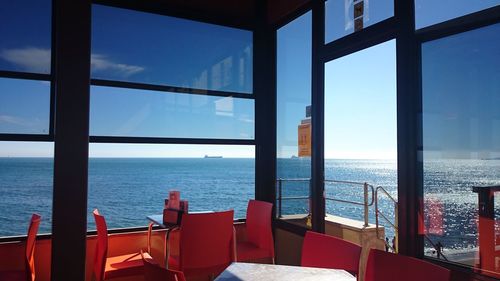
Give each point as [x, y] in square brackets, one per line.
[266, 272]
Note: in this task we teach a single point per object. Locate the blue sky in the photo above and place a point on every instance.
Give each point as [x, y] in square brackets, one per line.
[360, 88]
[360, 104]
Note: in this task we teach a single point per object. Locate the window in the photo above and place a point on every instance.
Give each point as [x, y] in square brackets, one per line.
[26, 163]
[461, 146]
[130, 112]
[360, 134]
[294, 120]
[429, 12]
[166, 80]
[24, 106]
[343, 17]
[25, 26]
[26, 169]
[127, 182]
[162, 50]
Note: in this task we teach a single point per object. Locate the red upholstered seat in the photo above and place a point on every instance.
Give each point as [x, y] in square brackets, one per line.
[154, 272]
[29, 273]
[248, 251]
[206, 244]
[124, 265]
[384, 266]
[173, 262]
[112, 267]
[320, 250]
[260, 243]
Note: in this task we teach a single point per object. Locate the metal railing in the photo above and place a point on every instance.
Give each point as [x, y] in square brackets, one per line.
[365, 204]
[280, 197]
[381, 214]
[438, 249]
[366, 188]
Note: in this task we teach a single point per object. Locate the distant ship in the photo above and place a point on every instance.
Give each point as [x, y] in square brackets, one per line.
[207, 156]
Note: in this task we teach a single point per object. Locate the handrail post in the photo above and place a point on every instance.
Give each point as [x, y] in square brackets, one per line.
[365, 187]
[376, 213]
[280, 196]
[396, 235]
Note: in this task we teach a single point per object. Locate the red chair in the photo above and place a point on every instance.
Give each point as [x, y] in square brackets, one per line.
[154, 272]
[112, 267]
[206, 244]
[260, 243]
[320, 250]
[384, 266]
[29, 273]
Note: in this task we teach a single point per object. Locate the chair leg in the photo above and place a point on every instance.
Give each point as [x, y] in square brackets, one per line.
[150, 230]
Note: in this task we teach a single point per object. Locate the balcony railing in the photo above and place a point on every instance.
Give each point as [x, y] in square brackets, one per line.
[370, 197]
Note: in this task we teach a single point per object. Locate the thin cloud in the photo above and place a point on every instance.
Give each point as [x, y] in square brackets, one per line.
[29, 59]
[33, 59]
[13, 120]
[101, 63]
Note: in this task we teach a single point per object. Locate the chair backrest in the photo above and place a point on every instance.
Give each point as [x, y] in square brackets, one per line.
[258, 224]
[101, 250]
[30, 247]
[206, 240]
[384, 266]
[154, 272]
[320, 250]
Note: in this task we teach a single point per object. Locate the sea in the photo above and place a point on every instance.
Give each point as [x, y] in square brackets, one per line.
[126, 190]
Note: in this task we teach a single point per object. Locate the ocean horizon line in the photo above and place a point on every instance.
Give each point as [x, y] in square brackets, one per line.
[196, 157]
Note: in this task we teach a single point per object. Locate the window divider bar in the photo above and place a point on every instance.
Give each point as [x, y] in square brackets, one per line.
[317, 187]
[25, 75]
[368, 37]
[27, 137]
[409, 132]
[459, 25]
[72, 34]
[168, 89]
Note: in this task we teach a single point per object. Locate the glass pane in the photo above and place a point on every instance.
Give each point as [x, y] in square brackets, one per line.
[343, 17]
[429, 12]
[294, 120]
[361, 137]
[24, 106]
[26, 169]
[155, 49]
[128, 182]
[461, 141]
[25, 26]
[130, 112]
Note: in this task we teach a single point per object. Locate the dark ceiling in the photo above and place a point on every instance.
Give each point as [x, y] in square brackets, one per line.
[236, 13]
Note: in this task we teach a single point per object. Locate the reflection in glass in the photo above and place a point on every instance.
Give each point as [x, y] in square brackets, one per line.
[343, 17]
[429, 12]
[461, 141]
[26, 170]
[293, 118]
[24, 106]
[139, 113]
[127, 182]
[25, 26]
[156, 49]
[360, 133]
